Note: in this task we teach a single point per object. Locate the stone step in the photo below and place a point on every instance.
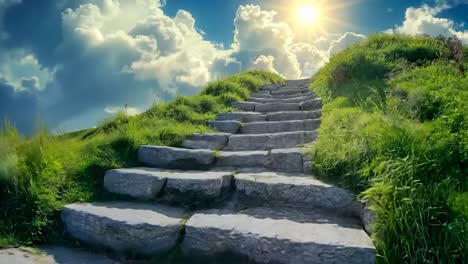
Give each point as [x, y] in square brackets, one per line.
[304, 192]
[279, 126]
[309, 93]
[170, 186]
[311, 105]
[298, 82]
[213, 141]
[293, 115]
[278, 235]
[282, 160]
[269, 141]
[246, 117]
[124, 227]
[314, 104]
[244, 106]
[289, 91]
[176, 158]
[275, 107]
[225, 126]
[242, 116]
[299, 99]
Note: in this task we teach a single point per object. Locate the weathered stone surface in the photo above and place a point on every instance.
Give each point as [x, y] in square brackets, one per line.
[299, 99]
[242, 116]
[142, 183]
[271, 87]
[260, 95]
[304, 192]
[278, 236]
[286, 91]
[147, 183]
[311, 104]
[194, 187]
[276, 107]
[298, 82]
[206, 141]
[52, 255]
[264, 91]
[225, 126]
[293, 115]
[309, 93]
[307, 167]
[124, 227]
[287, 160]
[280, 126]
[178, 158]
[244, 106]
[243, 159]
[269, 141]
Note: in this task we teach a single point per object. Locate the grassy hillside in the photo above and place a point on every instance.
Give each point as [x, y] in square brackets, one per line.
[39, 175]
[395, 130]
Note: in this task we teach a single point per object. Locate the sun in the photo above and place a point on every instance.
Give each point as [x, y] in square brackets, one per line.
[307, 14]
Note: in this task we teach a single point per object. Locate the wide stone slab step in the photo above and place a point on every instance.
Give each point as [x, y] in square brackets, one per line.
[268, 141]
[275, 107]
[304, 192]
[276, 96]
[244, 106]
[279, 126]
[242, 116]
[213, 141]
[171, 186]
[278, 235]
[309, 105]
[175, 158]
[246, 117]
[289, 91]
[124, 227]
[225, 126]
[299, 99]
[293, 115]
[282, 160]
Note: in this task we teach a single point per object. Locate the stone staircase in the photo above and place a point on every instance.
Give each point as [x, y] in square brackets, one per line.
[245, 191]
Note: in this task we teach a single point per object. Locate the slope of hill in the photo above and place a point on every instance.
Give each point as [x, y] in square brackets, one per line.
[395, 130]
[39, 175]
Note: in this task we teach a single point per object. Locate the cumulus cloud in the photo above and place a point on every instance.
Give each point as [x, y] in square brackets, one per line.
[424, 20]
[257, 32]
[109, 53]
[265, 63]
[130, 111]
[345, 41]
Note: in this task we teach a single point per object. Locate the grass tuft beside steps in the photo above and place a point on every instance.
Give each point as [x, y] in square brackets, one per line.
[40, 174]
[395, 130]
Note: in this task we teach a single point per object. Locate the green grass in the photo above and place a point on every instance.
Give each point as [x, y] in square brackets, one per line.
[40, 174]
[395, 131]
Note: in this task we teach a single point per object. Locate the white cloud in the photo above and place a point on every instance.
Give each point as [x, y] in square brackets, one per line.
[265, 63]
[345, 41]
[130, 111]
[257, 32]
[309, 57]
[118, 52]
[424, 20]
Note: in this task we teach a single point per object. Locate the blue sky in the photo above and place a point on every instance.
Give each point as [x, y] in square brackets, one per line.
[72, 64]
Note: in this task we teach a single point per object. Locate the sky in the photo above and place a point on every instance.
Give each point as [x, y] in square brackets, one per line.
[71, 64]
